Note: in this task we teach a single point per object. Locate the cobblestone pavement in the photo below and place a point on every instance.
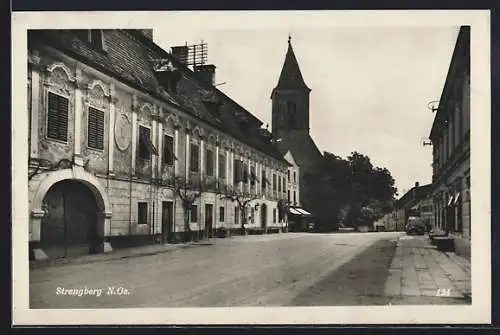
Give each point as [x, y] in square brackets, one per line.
[419, 273]
[265, 270]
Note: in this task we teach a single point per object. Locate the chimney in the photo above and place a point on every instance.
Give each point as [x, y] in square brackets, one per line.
[147, 33]
[180, 53]
[206, 73]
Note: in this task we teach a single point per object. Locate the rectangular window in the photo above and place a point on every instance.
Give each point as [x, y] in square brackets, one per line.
[95, 129]
[279, 184]
[168, 150]
[194, 165]
[245, 172]
[253, 176]
[221, 214]
[284, 185]
[289, 196]
[274, 214]
[264, 180]
[294, 177]
[193, 215]
[222, 166]
[274, 182]
[142, 213]
[57, 117]
[238, 171]
[252, 215]
[236, 215]
[209, 162]
[146, 147]
[288, 175]
[294, 197]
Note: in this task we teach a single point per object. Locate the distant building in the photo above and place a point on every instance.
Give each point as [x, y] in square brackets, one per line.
[118, 127]
[450, 136]
[415, 202]
[290, 125]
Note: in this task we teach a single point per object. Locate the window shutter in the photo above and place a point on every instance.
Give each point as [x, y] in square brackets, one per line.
[95, 128]
[57, 117]
[62, 118]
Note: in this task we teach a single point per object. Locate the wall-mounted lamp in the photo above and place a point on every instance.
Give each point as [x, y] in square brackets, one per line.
[256, 206]
[433, 105]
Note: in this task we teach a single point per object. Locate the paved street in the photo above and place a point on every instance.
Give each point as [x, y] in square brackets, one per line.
[295, 269]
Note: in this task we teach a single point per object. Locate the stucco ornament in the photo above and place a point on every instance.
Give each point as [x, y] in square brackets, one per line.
[123, 132]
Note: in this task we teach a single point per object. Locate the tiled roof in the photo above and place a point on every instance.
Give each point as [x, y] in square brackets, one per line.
[304, 150]
[414, 195]
[291, 77]
[128, 57]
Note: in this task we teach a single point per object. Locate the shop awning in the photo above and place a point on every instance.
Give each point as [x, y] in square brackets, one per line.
[450, 201]
[303, 211]
[298, 211]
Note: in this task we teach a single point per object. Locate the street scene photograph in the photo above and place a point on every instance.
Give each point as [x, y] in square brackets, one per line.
[284, 167]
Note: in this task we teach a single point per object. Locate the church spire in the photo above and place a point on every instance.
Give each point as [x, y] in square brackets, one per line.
[291, 77]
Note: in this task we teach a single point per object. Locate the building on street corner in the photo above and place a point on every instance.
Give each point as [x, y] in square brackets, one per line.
[450, 137]
[129, 144]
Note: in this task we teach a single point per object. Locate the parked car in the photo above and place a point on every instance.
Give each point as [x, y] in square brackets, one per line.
[415, 226]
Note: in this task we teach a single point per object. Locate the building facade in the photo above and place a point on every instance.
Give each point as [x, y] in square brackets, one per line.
[416, 202]
[290, 123]
[129, 145]
[450, 136]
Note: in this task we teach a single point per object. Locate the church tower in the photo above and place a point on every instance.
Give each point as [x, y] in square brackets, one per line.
[290, 99]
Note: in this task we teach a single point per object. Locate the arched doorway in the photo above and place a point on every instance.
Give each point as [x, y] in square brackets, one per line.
[263, 216]
[70, 225]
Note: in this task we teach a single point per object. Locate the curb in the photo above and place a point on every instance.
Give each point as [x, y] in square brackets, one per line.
[110, 257]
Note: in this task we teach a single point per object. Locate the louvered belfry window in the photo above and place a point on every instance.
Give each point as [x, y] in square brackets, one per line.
[57, 120]
[95, 129]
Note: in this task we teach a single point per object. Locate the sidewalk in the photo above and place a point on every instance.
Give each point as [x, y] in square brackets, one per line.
[418, 269]
[130, 252]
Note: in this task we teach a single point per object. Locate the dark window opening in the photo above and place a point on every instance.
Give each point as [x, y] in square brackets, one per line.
[95, 39]
[146, 147]
[253, 176]
[221, 214]
[222, 166]
[209, 162]
[168, 150]
[194, 213]
[194, 158]
[142, 213]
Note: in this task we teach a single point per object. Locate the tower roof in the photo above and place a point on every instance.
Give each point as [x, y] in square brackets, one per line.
[291, 77]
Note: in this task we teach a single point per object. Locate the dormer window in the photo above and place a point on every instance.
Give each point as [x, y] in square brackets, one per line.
[94, 37]
[244, 126]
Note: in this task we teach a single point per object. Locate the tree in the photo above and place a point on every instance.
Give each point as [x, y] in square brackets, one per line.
[349, 191]
[242, 199]
[188, 192]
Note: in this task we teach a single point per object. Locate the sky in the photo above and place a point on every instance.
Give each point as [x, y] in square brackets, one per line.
[370, 85]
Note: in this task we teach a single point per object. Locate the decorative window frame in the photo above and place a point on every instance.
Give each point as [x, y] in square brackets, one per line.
[63, 86]
[103, 106]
